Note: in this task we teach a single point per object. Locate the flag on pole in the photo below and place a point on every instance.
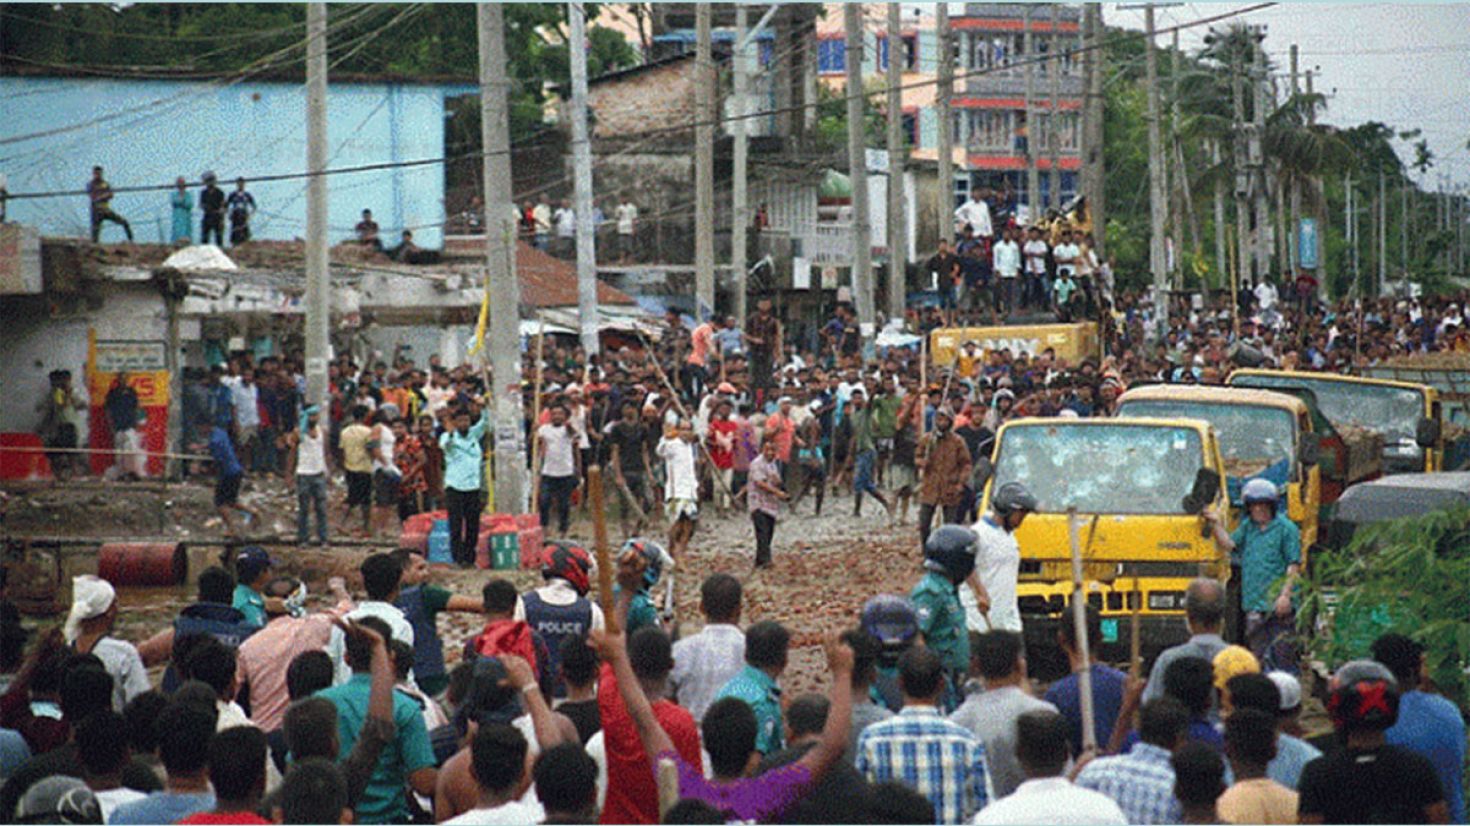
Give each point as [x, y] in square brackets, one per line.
[480, 325]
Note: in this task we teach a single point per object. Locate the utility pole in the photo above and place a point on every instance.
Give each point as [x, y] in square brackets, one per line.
[704, 166]
[1382, 233]
[897, 234]
[1242, 173]
[1404, 229]
[1219, 197]
[1176, 192]
[1294, 232]
[1033, 125]
[1053, 114]
[857, 171]
[501, 284]
[1257, 156]
[740, 168]
[1155, 171]
[582, 180]
[1093, 167]
[946, 123]
[318, 278]
[1319, 189]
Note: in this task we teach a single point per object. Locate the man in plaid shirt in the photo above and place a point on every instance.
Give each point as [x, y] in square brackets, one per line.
[919, 748]
[1141, 782]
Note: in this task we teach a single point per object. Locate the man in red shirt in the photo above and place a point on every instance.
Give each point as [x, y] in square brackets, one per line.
[237, 773]
[632, 796]
[721, 444]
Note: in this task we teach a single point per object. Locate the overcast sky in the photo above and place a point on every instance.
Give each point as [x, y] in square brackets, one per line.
[1405, 65]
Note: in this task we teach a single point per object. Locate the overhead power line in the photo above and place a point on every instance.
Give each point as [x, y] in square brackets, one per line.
[718, 120]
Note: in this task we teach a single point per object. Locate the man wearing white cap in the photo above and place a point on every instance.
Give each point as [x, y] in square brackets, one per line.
[93, 612]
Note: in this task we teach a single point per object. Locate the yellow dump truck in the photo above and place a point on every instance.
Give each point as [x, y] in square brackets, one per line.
[1408, 416]
[1072, 342]
[1139, 487]
[1262, 435]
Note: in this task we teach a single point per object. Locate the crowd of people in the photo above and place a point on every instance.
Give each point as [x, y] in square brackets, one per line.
[276, 708]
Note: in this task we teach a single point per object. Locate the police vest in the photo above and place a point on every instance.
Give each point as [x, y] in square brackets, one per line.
[556, 623]
[218, 620]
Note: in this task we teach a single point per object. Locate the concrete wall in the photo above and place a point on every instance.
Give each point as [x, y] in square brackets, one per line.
[36, 341]
[655, 99]
[148, 132]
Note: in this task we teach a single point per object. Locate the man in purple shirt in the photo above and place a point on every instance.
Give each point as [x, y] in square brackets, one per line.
[729, 736]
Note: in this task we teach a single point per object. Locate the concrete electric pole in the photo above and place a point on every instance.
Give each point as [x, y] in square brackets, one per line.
[1242, 173]
[318, 278]
[1053, 113]
[1155, 171]
[704, 166]
[1033, 130]
[501, 284]
[582, 181]
[1093, 168]
[857, 171]
[739, 208]
[1259, 82]
[946, 123]
[897, 232]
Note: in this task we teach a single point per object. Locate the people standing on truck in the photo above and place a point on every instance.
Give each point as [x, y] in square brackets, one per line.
[949, 559]
[99, 196]
[974, 213]
[1037, 286]
[212, 202]
[1268, 548]
[990, 601]
[945, 463]
[1006, 262]
[241, 206]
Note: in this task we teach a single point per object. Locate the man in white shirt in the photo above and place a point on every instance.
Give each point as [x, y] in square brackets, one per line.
[541, 216]
[1265, 293]
[627, 217]
[381, 576]
[566, 229]
[1006, 258]
[975, 213]
[561, 468]
[1047, 796]
[1066, 254]
[386, 475]
[704, 662]
[990, 601]
[245, 395]
[681, 486]
[1034, 251]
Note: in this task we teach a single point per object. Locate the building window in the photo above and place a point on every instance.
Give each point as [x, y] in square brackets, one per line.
[996, 53]
[989, 130]
[910, 53]
[910, 126]
[882, 52]
[957, 128]
[831, 56]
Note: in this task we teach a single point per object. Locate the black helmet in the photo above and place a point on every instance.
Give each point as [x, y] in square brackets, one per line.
[951, 551]
[1012, 497]
[891, 621]
[1365, 695]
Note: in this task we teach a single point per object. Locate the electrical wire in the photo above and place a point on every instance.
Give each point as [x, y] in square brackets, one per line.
[694, 122]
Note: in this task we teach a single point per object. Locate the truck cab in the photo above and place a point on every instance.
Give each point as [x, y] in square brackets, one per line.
[1140, 487]
[1408, 416]
[1263, 435]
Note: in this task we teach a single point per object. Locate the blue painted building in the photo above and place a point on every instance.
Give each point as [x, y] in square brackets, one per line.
[54, 129]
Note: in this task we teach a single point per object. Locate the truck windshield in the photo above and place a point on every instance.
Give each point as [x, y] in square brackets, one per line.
[1392, 411]
[1252, 437]
[1125, 469]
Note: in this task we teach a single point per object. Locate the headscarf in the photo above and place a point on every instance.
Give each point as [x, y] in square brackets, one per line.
[91, 596]
[306, 415]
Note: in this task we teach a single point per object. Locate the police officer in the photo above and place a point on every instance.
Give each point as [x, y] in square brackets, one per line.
[1268, 548]
[949, 559]
[560, 608]
[892, 622]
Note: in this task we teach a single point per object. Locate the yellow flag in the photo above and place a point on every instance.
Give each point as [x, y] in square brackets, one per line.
[480, 325]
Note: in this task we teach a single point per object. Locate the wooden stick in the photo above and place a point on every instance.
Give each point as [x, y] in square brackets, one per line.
[1079, 625]
[108, 451]
[684, 412]
[667, 779]
[629, 497]
[536, 421]
[604, 555]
